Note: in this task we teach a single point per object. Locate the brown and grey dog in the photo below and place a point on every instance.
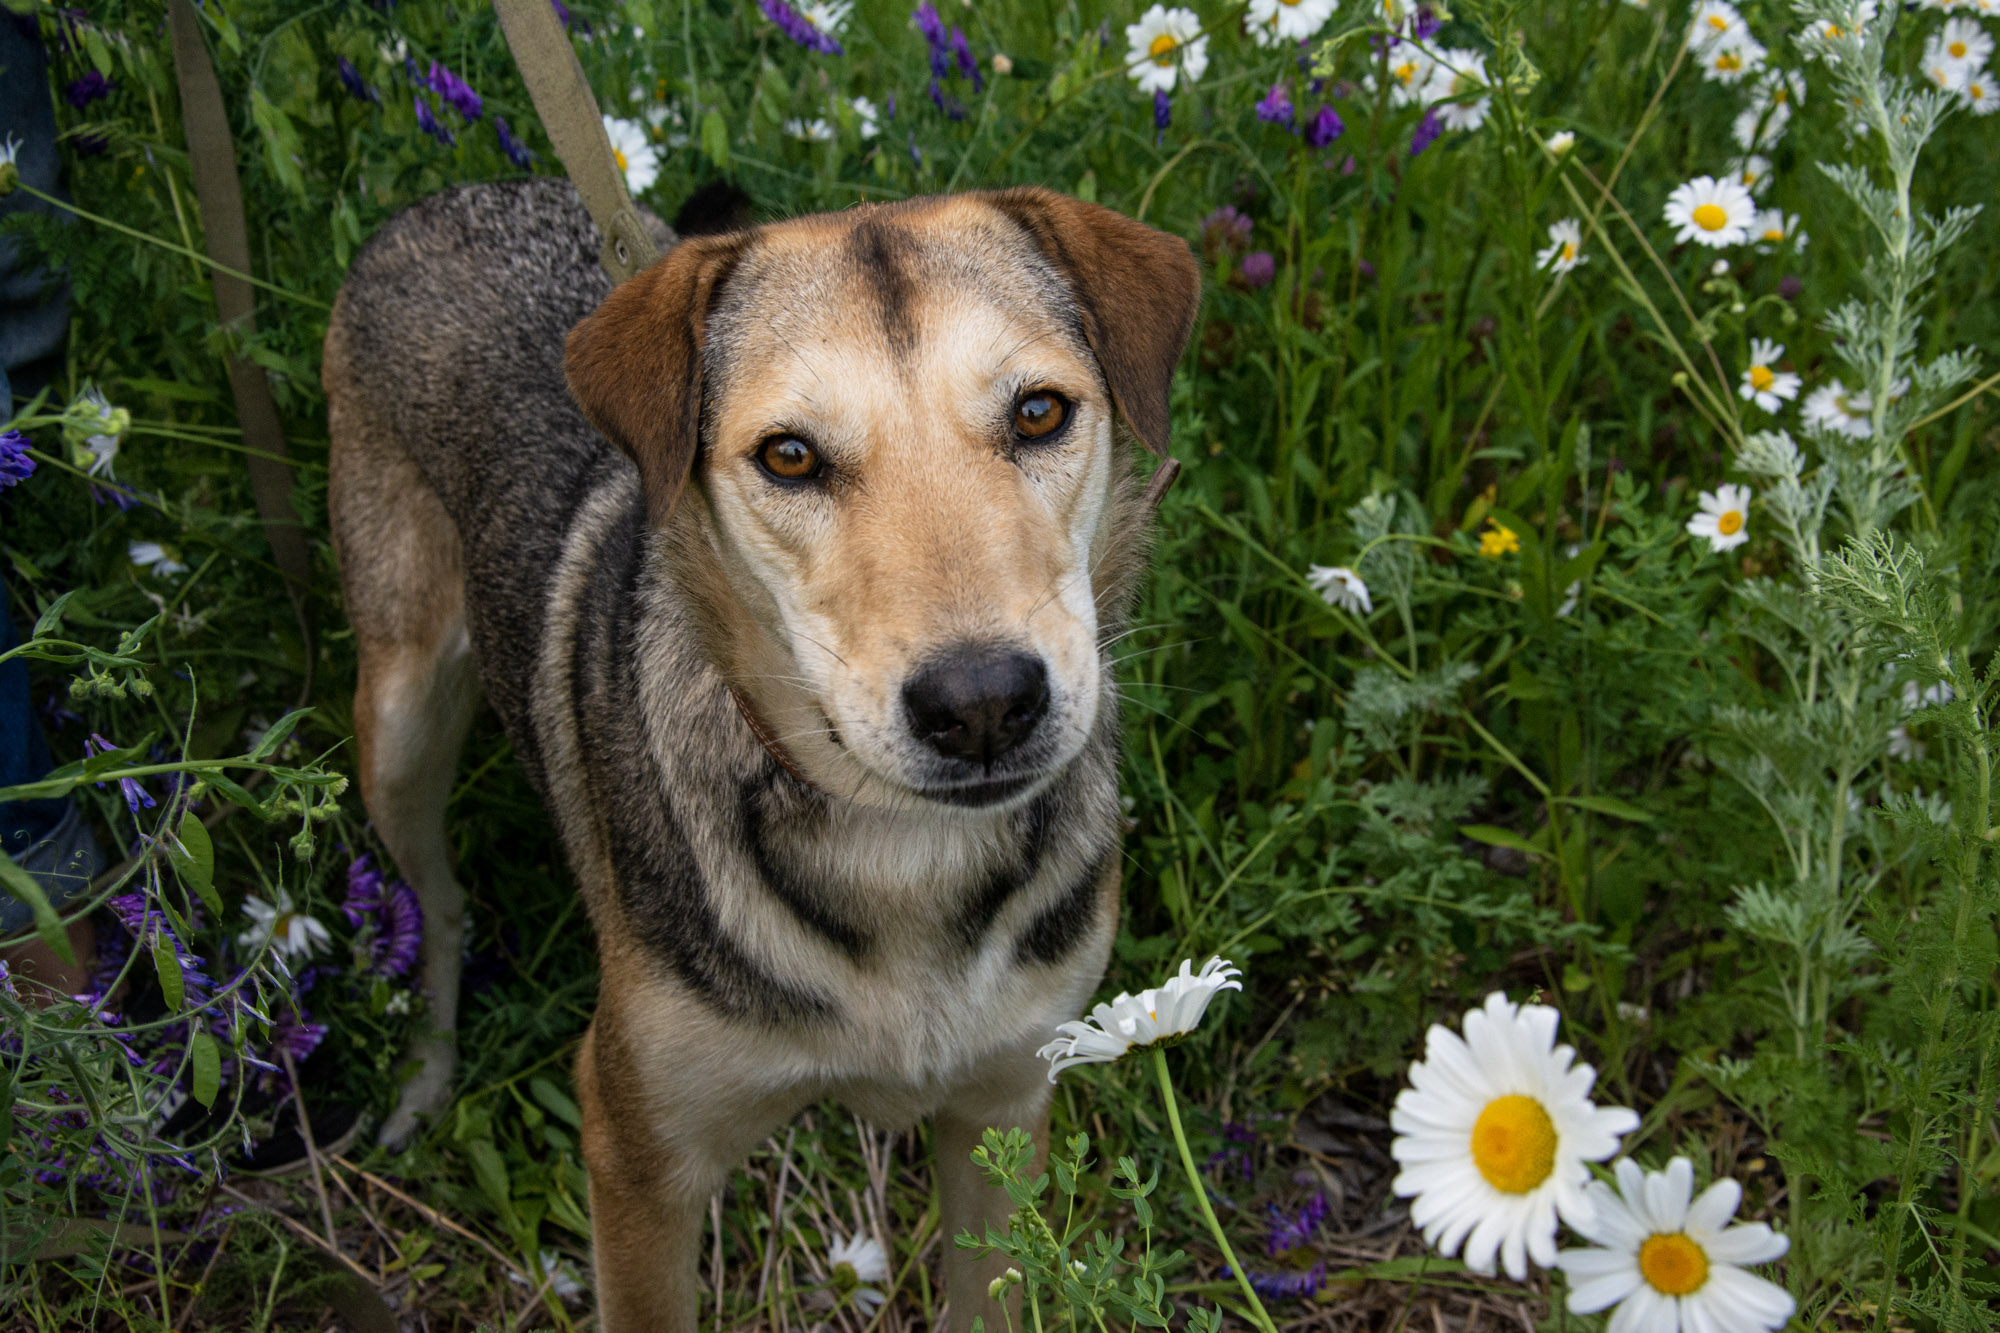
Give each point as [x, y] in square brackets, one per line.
[810, 668]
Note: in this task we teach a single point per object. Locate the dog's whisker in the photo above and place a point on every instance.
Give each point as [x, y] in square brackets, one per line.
[823, 648]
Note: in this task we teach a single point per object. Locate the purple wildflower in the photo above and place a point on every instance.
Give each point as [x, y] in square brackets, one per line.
[364, 891]
[1259, 268]
[392, 912]
[15, 465]
[296, 1035]
[87, 89]
[135, 795]
[1228, 227]
[1324, 127]
[456, 92]
[517, 152]
[1289, 1231]
[1163, 111]
[1428, 130]
[123, 496]
[1789, 287]
[951, 106]
[1276, 108]
[800, 28]
[916, 153]
[961, 52]
[1427, 23]
[891, 108]
[1290, 1286]
[147, 923]
[357, 87]
[562, 12]
[929, 23]
[428, 123]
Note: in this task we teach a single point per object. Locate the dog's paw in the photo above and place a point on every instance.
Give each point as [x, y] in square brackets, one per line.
[425, 1094]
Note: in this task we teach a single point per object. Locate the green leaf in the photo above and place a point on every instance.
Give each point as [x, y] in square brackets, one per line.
[207, 1061]
[715, 139]
[194, 860]
[491, 1173]
[52, 617]
[47, 924]
[230, 790]
[1609, 805]
[1499, 837]
[275, 737]
[555, 1101]
[168, 964]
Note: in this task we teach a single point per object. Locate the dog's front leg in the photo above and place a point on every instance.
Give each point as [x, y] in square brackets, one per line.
[968, 1203]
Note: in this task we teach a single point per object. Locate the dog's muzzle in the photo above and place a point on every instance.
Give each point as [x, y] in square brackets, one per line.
[975, 706]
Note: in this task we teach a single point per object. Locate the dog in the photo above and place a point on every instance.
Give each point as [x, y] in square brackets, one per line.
[790, 567]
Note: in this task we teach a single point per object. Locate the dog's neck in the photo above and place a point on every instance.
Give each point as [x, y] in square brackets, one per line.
[768, 738]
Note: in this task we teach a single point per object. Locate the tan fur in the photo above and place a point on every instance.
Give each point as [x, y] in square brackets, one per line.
[814, 605]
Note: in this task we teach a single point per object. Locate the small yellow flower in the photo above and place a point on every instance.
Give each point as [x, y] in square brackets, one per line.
[1498, 540]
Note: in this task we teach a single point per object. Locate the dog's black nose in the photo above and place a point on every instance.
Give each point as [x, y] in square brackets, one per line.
[977, 702]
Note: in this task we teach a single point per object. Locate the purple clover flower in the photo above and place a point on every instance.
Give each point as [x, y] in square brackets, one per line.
[391, 910]
[517, 152]
[1290, 1286]
[1428, 130]
[15, 465]
[1276, 108]
[456, 92]
[1259, 268]
[1324, 127]
[357, 87]
[135, 795]
[428, 123]
[87, 89]
[800, 28]
[1229, 227]
[1291, 1230]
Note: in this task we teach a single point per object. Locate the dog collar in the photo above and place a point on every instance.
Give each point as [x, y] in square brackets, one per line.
[767, 739]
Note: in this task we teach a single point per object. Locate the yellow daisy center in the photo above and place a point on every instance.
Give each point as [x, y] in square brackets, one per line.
[1406, 71]
[1514, 1141]
[1162, 49]
[1978, 91]
[1671, 1262]
[1834, 30]
[1719, 23]
[1957, 50]
[1761, 378]
[1729, 525]
[619, 153]
[1293, 3]
[1773, 234]
[1569, 250]
[1711, 217]
[1729, 61]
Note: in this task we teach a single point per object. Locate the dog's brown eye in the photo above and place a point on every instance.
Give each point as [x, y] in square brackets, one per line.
[1039, 415]
[789, 458]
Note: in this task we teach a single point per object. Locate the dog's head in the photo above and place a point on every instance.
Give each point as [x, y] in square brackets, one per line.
[911, 508]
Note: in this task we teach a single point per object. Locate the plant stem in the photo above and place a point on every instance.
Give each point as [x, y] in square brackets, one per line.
[1261, 1318]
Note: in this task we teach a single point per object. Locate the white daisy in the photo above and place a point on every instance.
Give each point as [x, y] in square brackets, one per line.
[1494, 1132]
[1943, 74]
[1763, 383]
[1341, 587]
[812, 131]
[293, 934]
[1752, 172]
[1562, 141]
[1772, 227]
[1565, 249]
[1276, 22]
[1410, 73]
[1820, 34]
[1762, 123]
[1713, 212]
[1715, 21]
[1733, 59]
[1835, 410]
[1905, 747]
[853, 1264]
[829, 16]
[1670, 1264]
[1961, 42]
[153, 556]
[1916, 697]
[1132, 1022]
[1723, 518]
[633, 149]
[869, 118]
[1162, 45]
[1457, 74]
[1981, 93]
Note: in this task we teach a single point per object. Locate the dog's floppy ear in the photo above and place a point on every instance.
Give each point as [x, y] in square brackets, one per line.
[634, 366]
[1137, 289]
